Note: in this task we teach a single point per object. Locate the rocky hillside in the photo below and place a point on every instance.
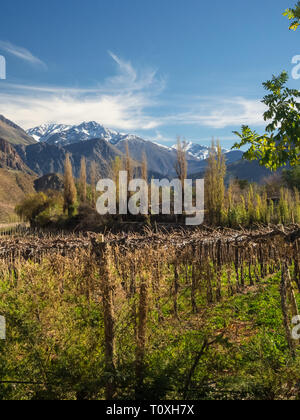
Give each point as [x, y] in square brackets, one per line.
[14, 134]
[43, 158]
[48, 182]
[14, 186]
[10, 159]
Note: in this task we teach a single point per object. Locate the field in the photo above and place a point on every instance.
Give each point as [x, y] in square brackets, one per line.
[202, 314]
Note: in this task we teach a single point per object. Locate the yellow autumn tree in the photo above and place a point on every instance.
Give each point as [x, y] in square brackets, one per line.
[215, 185]
[82, 181]
[70, 192]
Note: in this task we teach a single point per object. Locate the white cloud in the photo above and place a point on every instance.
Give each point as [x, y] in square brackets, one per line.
[220, 113]
[120, 102]
[128, 101]
[127, 75]
[21, 53]
[161, 138]
[121, 111]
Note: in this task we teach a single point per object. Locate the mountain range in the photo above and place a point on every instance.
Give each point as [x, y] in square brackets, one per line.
[42, 151]
[64, 135]
[106, 144]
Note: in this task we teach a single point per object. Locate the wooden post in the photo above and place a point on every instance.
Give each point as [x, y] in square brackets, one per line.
[219, 271]
[193, 290]
[291, 296]
[176, 289]
[107, 292]
[284, 307]
[141, 337]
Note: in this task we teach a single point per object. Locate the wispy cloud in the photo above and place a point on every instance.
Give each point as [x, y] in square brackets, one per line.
[123, 112]
[21, 53]
[120, 102]
[218, 113]
[130, 79]
[127, 74]
[131, 101]
[160, 138]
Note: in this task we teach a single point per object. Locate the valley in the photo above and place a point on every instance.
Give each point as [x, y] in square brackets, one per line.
[149, 203]
[42, 150]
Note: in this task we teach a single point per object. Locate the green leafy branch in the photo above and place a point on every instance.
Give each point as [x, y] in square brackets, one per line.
[280, 145]
[294, 16]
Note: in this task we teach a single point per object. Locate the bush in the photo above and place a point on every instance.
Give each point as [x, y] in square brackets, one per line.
[38, 207]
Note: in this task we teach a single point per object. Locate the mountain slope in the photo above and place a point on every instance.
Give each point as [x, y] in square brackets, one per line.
[241, 169]
[43, 158]
[14, 186]
[98, 150]
[13, 134]
[160, 160]
[251, 171]
[10, 159]
[49, 182]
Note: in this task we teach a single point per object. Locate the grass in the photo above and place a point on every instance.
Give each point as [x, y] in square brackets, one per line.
[55, 339]
[246, 361]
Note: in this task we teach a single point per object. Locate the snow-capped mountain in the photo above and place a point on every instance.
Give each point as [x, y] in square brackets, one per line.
[198, 151]
[64, 135]
[44, 131]
[61, 134]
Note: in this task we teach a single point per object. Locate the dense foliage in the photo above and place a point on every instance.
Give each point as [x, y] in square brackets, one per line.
[280, 145]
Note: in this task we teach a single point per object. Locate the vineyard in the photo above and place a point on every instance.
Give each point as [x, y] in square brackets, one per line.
[145, 315]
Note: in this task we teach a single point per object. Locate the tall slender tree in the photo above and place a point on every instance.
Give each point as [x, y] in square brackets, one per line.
[128, 163]
[145, 167]
[214, 184]
[70, 193]
[128, 168]
[145, 178]
[82, 181]
[93, 179]
[116, 167]
[181, 163]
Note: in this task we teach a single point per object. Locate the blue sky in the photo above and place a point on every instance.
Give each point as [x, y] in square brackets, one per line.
[159, 68]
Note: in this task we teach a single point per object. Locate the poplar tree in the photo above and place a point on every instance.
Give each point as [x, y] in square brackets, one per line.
[128, 168]
[181, 163]
[214, 184]
[82, 180]
[145, 177]
[93, 179]
[117, 166]
[128, 163]
[70, 193]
